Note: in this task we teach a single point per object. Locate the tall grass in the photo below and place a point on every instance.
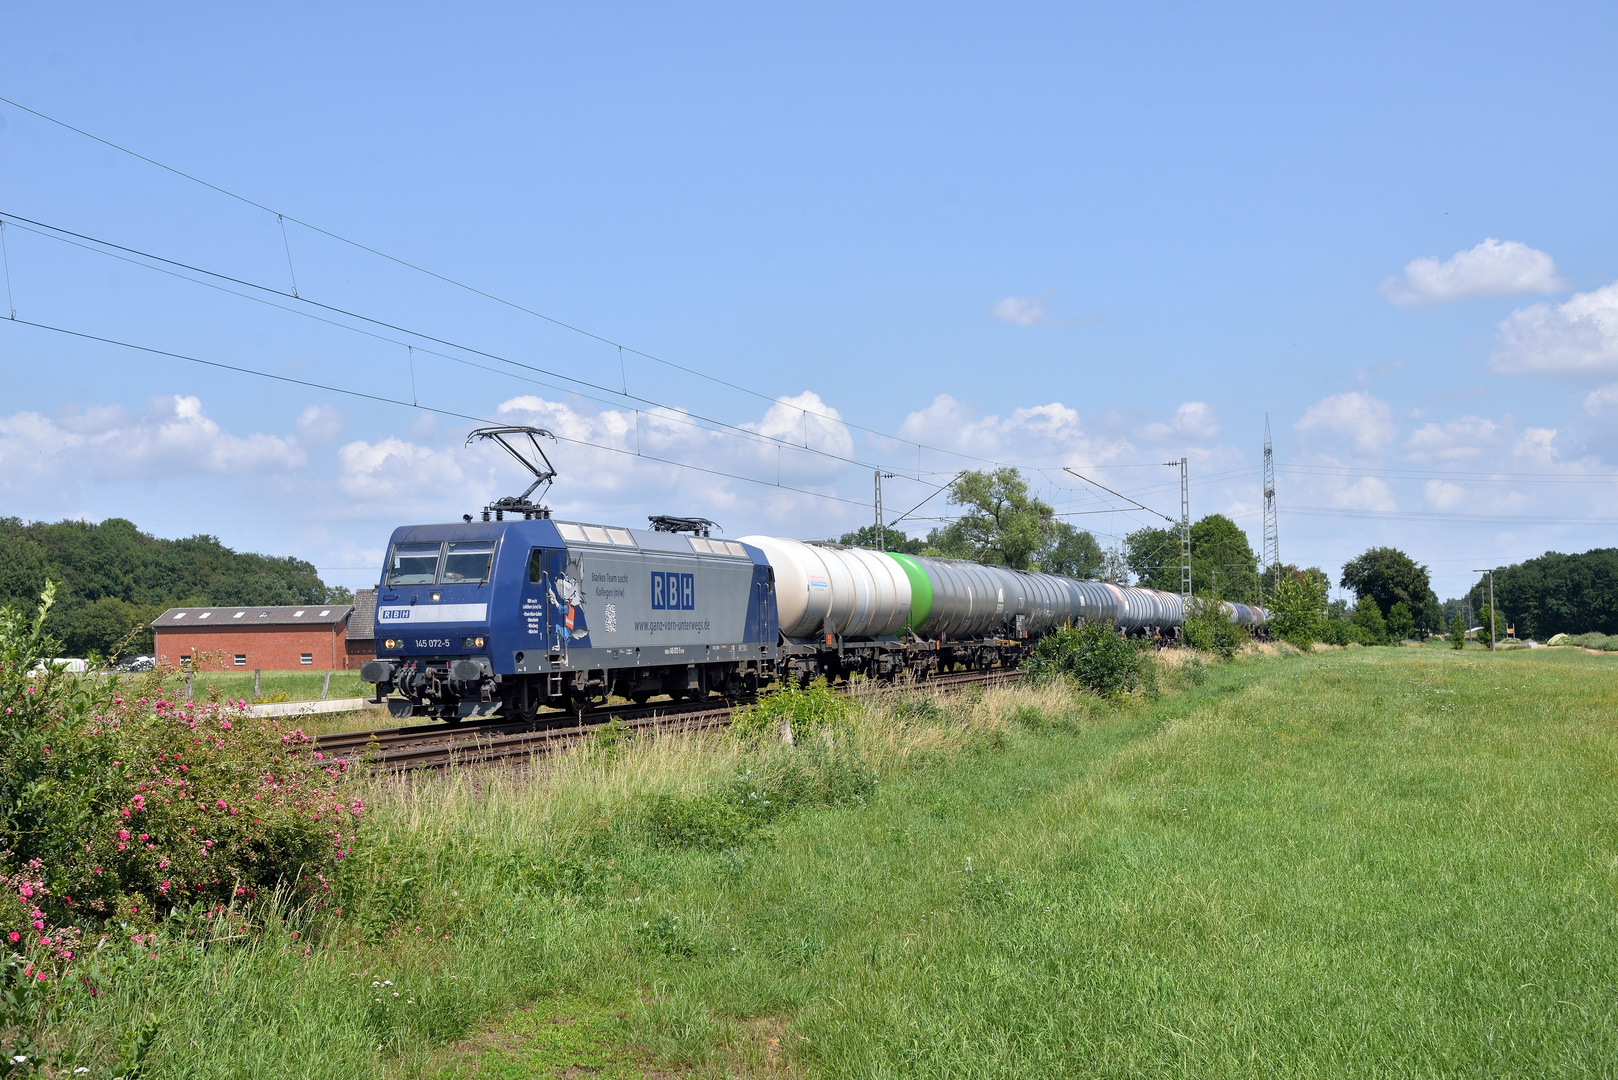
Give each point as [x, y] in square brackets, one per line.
[1364, 862]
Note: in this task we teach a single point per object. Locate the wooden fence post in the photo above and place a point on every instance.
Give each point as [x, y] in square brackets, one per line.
[325, 684]
[255, 684]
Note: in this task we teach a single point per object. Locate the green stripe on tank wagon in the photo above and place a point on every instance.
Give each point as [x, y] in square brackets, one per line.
[921, 591]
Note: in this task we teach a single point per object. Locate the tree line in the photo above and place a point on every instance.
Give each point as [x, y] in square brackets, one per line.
[117, 579]
[1554, 594]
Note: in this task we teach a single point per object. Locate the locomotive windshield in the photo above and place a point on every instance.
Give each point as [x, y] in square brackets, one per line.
[468, 562]
[413, 564]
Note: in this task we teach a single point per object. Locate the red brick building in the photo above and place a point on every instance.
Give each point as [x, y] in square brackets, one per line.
[307, 637]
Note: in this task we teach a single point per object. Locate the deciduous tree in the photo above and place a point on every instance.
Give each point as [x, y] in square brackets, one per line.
[1386, 576]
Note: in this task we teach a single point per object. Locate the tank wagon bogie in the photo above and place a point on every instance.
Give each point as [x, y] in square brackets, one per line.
[512, 616]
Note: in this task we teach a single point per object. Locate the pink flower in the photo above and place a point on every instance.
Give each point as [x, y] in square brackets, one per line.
[221, 804]
[39, 924]
[123, 834]
[138, 802]
[163, 888]
[225, 724]
[39, 977]
[14, 937]
[144, 838]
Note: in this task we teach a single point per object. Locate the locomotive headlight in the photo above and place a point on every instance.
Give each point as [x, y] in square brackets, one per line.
[391, 643]
[472, 643]
[435, 598]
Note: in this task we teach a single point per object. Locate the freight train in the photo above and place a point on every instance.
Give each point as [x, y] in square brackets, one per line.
[511, 616]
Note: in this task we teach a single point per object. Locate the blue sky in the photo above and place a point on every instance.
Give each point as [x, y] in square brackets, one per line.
[1042, 236]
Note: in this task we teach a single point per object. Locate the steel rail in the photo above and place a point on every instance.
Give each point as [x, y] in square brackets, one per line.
[436, 746]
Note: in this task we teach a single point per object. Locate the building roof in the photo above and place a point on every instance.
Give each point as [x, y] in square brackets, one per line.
[217, 618]
[362, 627]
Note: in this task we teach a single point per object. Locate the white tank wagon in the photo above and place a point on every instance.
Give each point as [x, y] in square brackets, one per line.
[847, 609]
[1245, 614]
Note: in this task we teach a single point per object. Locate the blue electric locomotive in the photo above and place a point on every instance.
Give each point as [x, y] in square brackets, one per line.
[512, 616]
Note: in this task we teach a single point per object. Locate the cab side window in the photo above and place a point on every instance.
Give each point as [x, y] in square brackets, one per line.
[536, 566]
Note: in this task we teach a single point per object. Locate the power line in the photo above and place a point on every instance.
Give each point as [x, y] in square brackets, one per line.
[1480, 475]
[48, 231]
[1423, 515]
[283, 217]
[424, 408]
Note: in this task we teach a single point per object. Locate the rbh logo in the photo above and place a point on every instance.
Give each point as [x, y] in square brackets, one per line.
[673, 592]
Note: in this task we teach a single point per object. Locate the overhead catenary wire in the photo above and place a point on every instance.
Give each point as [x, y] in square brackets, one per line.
[1126, 498]
[668, 412]
[283, 217]
[5, 255]
[424, 408]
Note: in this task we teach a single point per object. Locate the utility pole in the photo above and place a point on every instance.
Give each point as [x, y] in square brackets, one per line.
[881, 532]
[1492, 617]
[1272, 534]
[1185, 532]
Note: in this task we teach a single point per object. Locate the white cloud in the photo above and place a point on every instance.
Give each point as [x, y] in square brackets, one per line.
[1442, 495]
[1535, 442]
[1352, 421]
[319, 424]
[1576, 339]
[173, 438]
[1193, 418]
[1602, 400]
[1035, 431]
[1492, 268]
[392, 470]
[1454, 440]
[1023, 311]
[1366, 493]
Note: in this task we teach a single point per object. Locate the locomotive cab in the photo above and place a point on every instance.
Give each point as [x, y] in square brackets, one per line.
[434, 619]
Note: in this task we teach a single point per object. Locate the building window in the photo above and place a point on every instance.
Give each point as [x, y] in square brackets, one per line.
[241, 659]
[306, 658]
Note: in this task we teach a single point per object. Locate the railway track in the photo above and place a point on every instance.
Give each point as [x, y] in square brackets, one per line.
[438, 745]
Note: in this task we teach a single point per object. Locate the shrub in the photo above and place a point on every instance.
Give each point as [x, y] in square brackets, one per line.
[1401, 623]
[1457, 632]
[1096, 656]
[1209, 628]
[1367, 621]
[1298, 610]
[803, 711]
[123, 802]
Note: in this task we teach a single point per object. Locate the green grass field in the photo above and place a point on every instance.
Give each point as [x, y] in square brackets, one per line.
[1367, 862]
[296, 685]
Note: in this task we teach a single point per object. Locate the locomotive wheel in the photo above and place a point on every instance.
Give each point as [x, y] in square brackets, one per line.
[512, 705]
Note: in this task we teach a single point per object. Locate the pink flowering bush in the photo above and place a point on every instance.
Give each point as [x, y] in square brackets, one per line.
[121, 803]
